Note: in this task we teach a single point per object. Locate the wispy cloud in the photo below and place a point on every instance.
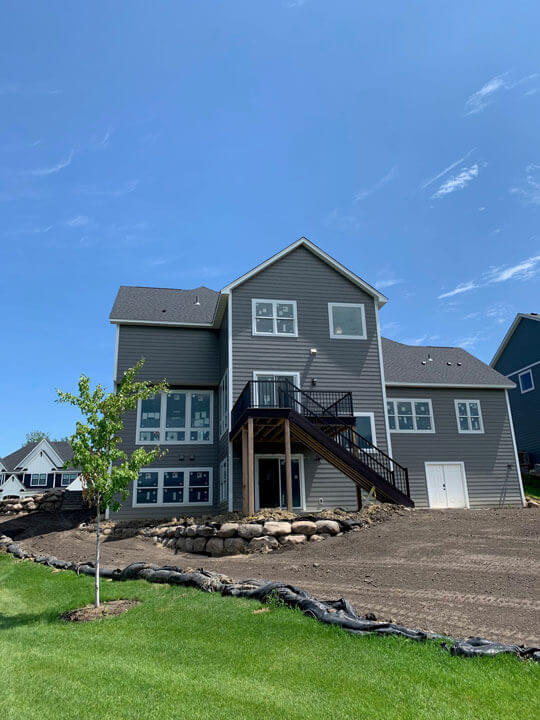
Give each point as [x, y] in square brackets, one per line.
[483, 97]
[500, 313]
[444, 172]
[457, 182]
[363, 194]
[459, 289]
[52, 169]
[387, 281]
[421, 340]
[500, 83]
[103, 142]
[523, 270]
[295, 3]
[470, 341]
[530, 190]
[78, 221]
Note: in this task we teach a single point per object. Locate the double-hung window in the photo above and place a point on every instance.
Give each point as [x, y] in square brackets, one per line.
[174, 417]
[274, 317]
[347, 321]
[38, 480]
[526, 382]
[469, 416]
[173, 486]
[410, 416]
[68, 478]
[224, 403]
[223, 481]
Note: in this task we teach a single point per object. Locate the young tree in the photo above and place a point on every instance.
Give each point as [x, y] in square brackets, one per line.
[37, 435]
[107, 470]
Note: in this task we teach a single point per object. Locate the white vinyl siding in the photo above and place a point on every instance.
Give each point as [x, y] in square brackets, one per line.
[469, 416]
[410, 415]
[176, 417]
[274, 317]
[173, 487]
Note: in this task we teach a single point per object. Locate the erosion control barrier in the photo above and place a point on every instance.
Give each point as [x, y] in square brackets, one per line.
[331, 612]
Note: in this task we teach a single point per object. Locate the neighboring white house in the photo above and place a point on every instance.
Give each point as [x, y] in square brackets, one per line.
[36, 467]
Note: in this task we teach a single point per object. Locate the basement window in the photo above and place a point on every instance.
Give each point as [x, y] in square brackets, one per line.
[156, 487]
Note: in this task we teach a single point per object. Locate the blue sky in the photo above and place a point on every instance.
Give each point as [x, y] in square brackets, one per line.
[177, 144]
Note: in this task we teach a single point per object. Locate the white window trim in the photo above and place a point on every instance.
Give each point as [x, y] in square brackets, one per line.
[469, 432]
[65, 484]
[371, 417]
[162, 429]
[38, 484]
[279, 456]
[254, 330]
[414, 430]
[223, 401]
[528, 371]
[223, 493]
[331, 306]
[256, 373]
[463, 478]
[161, 472]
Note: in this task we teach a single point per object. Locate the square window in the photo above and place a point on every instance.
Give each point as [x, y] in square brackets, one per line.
[410, 416]
[147, 488]
[526, 382]
[264, 325]
[347, 321]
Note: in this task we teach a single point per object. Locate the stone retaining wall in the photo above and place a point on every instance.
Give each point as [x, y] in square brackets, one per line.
[260, 533]
[48, 501]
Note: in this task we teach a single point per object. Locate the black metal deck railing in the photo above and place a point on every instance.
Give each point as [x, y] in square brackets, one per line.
[324, 409]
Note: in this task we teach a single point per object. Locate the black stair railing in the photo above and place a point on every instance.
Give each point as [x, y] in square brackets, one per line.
[324, 410]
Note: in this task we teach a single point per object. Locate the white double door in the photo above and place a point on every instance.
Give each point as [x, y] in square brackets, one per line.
[446, 485]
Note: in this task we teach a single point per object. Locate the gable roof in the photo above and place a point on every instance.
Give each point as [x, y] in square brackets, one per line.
[511, 331]
[15, 459]
[304, 242]
[448, 367]
[164, 306]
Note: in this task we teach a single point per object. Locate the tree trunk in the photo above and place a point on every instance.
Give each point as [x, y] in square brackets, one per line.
[98, 538]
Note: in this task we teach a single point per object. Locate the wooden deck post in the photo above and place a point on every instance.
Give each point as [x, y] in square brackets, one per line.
[245, 477]
[251, 468]
[288, 463]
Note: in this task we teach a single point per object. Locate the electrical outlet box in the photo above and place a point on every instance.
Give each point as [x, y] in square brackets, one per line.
[321, 501]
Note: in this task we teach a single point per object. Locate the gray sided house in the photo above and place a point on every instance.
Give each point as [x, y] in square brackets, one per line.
[283, 394]
[518, 358]
[36, 467]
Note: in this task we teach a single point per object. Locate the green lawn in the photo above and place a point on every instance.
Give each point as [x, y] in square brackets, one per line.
[182, 654]
[531, 485]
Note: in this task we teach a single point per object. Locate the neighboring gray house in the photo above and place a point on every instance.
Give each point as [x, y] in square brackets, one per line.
[283, 393]
[36, 467]
[518, 358]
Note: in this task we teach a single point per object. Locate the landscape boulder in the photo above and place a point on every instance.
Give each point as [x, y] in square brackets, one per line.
[227, 530]
[263, 544]
[277, 528]
[214, 546]
[330, 527]
[234, 545]
[252, 530]
[304, 527]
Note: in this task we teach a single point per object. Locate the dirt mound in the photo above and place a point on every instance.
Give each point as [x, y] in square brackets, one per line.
[106, 609]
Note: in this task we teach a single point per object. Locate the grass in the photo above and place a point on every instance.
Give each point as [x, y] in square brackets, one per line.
[531, 485]
[186, 654]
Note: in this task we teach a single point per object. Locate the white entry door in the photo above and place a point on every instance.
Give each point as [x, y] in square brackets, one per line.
[446, 485]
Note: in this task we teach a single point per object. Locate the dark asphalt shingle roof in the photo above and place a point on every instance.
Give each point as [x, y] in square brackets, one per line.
[448, 366]
[149, 304]
[14, 459]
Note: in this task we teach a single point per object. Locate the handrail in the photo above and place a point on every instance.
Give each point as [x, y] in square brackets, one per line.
[285, 394]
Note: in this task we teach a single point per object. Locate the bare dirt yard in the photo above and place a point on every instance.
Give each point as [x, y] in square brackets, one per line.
[461, 572]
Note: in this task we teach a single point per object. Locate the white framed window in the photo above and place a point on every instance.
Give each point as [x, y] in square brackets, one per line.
[410, 415]
[223, 481]
[38, 479]
[68, 478]
[176, 417]
[347, 321]
[274, 317]
[223, 394]
[273, 388]
[526, 382]
[173, 487]
[365, 426]
[469, 416]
